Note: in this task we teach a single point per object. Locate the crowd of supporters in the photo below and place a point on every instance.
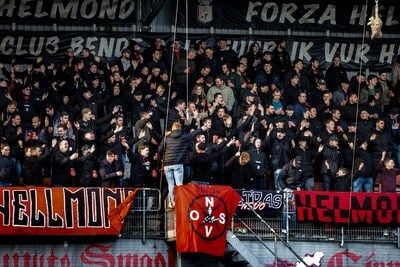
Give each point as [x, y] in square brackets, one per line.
[206, 115]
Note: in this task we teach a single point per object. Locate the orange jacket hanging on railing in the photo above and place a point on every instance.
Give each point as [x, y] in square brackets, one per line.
[203, 215]
[64, 210]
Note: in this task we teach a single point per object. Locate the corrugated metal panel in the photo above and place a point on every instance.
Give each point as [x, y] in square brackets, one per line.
[165, 18]
[162, 25]
[5, 27]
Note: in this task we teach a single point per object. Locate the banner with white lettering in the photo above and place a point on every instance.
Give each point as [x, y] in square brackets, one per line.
[309, 15]
[63, 210]
[265, 203]
[68, 12]
[374, 54]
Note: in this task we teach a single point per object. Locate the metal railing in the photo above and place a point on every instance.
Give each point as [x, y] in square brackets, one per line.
[288, 228]
[148, 220]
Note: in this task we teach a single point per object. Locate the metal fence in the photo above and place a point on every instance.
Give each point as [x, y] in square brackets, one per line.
[146, 219]
[149, 220]
[288, 228]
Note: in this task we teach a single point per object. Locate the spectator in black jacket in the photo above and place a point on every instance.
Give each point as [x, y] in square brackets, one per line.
[175, 147]
[307, 156]
[87, 167]
[281, 58]
[364, 167]
[7, 167]
[291, 175]
[140, 166]
[240, 170]
[110, 170]
[349, 110]
[13, 134]
[314, 72]
[34, 164]
[63, 165]
[176, 114]
[209, 59]
[378, 142]
[259, 166]
[279, 146]
[156, 60]
[332, 157]
[226, 54]
[365, 126]
[335, 74]
[202, 161]
[341, 182]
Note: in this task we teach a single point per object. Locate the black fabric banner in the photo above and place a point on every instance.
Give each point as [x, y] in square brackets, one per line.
[310, 15]
[265, 203]
[67, 12]
[346, 207]
[375, 54]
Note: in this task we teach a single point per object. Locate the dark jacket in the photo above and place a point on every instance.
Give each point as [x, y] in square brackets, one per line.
[86, 165]
[334, 75]
[108, 173]
[10, 134]
[93, 125]
[378, 145]
[307, 161]
[279, 151]
[365, 158]
[240, 175]
[202, 163]
[173, 116]
[179, 70]
[265, 78]
[62, 166]
[334, 158]
[176, 146]
[258, 163]
[341, 184]
[140, 169]
[7, 170]
[291, 176]
[364, 130]
[349, 112]
[33, 169]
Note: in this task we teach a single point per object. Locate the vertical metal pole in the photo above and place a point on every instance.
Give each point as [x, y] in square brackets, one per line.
[139, 15]
[342, 239]
[275, 251]
[398, 237]
[287, 217]
[179, 260]
[144, 216]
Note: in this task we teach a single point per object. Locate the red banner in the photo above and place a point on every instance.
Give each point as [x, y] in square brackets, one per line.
[63, 210]
[203, 215]
[346, 207]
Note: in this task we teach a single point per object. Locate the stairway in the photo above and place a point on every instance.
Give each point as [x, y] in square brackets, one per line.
[239, 253]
